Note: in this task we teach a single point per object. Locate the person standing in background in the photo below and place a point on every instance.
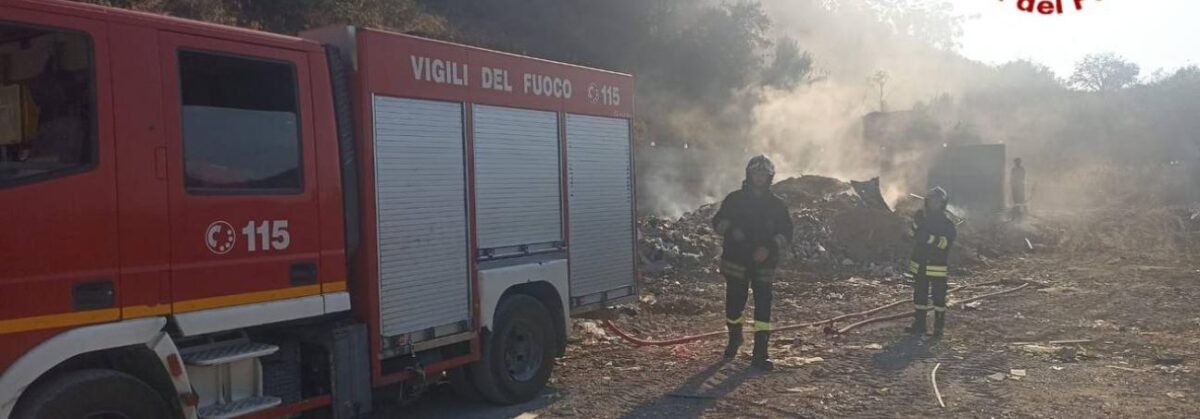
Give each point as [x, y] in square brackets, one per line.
[1016, 181]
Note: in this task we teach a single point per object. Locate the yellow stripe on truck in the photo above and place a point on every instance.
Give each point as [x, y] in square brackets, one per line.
[336, 286]
[247, 298]
[55, 321]
[134, 312]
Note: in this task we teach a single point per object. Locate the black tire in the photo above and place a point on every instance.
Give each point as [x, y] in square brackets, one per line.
[461, 383]
[518, 356]
[480, 376]
[93, 394]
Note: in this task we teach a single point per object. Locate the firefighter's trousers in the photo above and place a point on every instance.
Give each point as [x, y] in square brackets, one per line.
[923, 287]
[739, 281]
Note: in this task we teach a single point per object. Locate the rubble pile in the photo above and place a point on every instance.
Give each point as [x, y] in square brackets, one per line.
[815, 191]
[687, 244]
[869, 234]
[832, 231]
[835, 231]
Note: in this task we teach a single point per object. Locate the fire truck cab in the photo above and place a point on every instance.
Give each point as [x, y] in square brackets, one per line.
[205, 221]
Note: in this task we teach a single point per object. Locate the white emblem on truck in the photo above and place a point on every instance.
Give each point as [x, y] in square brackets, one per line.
[608, 95]
[220, 237]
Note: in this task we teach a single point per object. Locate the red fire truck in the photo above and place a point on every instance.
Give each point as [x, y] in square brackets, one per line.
[204, 221]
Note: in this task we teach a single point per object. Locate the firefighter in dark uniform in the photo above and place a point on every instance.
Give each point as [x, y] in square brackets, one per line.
[757, 227]
[933, 235]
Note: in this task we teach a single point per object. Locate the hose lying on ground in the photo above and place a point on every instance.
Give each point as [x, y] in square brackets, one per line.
[909, 314]
[612, 327]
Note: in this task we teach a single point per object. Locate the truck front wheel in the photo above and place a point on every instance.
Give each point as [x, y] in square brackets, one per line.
[518, 356]
[94, 394]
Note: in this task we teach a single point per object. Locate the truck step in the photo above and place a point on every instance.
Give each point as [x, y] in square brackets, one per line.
[228, 353]
[239, 408]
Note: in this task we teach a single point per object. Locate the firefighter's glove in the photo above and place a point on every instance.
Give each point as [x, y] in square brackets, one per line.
[933, 241]
[761, 254]
[922, 238]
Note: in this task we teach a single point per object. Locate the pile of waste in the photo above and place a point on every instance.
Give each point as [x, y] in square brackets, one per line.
[834, 230]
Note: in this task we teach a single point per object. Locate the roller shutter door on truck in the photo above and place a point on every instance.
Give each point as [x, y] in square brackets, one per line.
[420, 186]
[601, 208]
[517, 180]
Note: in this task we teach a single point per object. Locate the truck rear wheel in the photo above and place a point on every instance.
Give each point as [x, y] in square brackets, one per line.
[461, 382]
[518, 357]
[94, 394]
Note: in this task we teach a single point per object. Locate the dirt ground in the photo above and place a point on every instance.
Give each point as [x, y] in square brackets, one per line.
[1142, 318]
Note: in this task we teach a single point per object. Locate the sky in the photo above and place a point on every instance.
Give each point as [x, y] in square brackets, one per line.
[1156, 34]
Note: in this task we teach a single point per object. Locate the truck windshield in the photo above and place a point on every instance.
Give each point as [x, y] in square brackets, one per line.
[46, 115]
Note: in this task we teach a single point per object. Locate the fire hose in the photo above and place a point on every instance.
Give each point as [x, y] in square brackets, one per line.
[608, 324]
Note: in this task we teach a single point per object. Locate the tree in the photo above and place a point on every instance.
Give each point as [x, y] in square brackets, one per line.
[934, 22]
[880, 78]
[1187, 77]
[1026, 75]
[1104, 72]
[719, 53]
[789, 66]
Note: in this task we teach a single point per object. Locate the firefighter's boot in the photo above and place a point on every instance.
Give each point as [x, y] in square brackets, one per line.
[918, 323]
[735, 340]
[760, 361]
[939, 323]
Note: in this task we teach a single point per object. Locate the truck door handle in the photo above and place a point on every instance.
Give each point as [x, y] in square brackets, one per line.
[93, 295]
[303, 273]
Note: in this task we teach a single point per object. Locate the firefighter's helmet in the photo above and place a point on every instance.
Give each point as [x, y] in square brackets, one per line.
[938, 195]
[760, 163]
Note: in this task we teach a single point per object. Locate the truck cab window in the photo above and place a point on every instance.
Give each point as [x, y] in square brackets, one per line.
[47, 124]
[241, 131]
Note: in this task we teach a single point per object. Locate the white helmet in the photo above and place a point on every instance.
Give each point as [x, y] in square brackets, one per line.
[760, 163]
